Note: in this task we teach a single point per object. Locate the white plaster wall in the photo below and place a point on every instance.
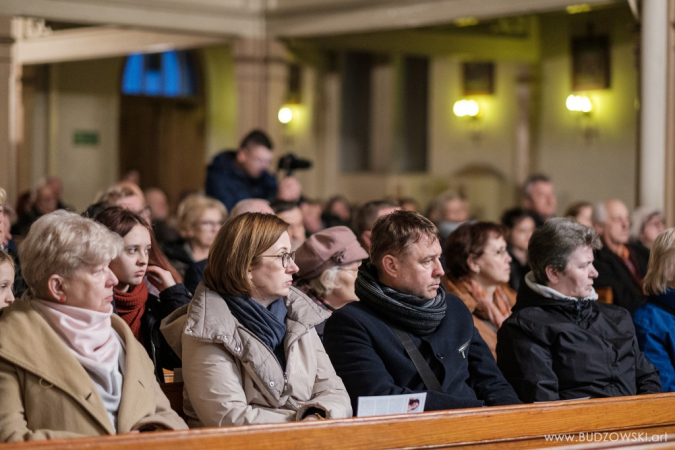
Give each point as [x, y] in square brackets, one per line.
[85, 96]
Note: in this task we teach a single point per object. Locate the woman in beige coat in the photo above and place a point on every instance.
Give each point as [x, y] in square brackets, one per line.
[247, 341]
[68, 367]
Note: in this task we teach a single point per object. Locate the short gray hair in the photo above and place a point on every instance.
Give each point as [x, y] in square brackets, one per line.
[553, 243]
[324, 283]
[599, 213]
[62, 242]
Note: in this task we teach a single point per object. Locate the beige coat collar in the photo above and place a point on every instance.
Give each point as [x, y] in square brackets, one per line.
[27, 343]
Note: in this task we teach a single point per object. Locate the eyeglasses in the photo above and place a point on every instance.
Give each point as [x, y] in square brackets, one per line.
[286, 258]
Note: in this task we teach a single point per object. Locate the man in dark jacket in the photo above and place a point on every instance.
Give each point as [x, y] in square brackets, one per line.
[401, 291]
[620, 266]
[237, 175]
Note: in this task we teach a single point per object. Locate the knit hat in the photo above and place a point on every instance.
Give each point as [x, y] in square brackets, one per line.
[333, 246]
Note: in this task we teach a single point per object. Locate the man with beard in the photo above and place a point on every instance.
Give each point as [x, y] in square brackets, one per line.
[404, 315]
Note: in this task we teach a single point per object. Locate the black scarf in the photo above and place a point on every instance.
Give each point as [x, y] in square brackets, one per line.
[268, 324]
[418, 315]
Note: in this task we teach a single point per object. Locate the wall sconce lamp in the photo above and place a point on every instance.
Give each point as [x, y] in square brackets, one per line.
[579, 103]
[466, 108]
[285, 114]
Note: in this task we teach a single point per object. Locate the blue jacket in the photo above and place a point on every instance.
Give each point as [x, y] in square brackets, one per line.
[371, 360]
[655, 329]
[226, 182]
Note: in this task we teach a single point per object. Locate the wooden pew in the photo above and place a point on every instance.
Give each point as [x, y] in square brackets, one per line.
[506, 427]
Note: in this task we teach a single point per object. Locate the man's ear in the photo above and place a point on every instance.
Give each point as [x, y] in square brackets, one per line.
[390, 265]
[241, 155]
[365, 237]
[527, 203]
[56, 288]
[553, 275]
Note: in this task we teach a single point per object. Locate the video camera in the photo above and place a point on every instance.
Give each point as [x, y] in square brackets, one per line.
[289, 162]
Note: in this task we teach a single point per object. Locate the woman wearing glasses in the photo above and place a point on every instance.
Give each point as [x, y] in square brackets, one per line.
[248, 344]
[477, 271]
[328, 263]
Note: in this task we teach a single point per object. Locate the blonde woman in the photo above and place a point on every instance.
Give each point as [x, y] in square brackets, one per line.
[655, 318]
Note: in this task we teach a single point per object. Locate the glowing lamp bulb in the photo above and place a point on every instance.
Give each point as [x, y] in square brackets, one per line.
[463, 108]
[285, 115]
[579, 103]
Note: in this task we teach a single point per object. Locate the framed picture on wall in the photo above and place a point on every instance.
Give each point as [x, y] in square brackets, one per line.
[478, 78]
[590, 63]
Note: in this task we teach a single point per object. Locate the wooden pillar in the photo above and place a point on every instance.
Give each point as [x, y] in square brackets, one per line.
[669, 204]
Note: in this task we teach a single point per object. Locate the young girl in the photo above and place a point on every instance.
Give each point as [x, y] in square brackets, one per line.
[6, 279]
[140, 308]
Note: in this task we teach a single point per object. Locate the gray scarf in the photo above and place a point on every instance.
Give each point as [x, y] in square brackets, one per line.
[418, 315]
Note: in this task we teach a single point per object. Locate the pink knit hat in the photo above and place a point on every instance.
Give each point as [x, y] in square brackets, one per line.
[333, 246]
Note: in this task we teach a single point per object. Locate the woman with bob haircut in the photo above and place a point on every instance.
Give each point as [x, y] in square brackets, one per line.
[142, 306]
[248, 342]
[655, 318]
[560, 343]
[477, 271]
[68, 366]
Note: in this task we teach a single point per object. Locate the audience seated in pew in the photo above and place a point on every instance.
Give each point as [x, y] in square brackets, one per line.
[68, 366]
[560, 343]
[328, 264]
[477, 271]
[247, 341]
[402, 309]
[141, 260]
[655, 318]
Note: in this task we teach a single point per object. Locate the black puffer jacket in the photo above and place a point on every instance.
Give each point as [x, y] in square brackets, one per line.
[557, 349]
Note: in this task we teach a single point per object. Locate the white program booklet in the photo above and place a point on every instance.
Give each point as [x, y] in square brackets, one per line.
[391, 404]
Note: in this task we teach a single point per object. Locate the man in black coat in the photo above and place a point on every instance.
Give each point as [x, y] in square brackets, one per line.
[401, 290]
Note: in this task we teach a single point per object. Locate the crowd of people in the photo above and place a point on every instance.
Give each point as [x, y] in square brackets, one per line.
[272, 307]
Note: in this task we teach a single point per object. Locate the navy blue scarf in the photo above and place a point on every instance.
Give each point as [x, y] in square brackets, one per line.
[268, 324]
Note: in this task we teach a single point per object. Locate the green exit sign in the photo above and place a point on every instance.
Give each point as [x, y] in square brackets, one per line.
[81, 137]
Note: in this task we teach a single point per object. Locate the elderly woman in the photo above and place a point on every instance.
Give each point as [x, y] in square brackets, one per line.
[655, 318]
[68, 366]
[328, 263]
[199, 219]
[646, 225]
[477, 271]
[560, 343]
[248, 344]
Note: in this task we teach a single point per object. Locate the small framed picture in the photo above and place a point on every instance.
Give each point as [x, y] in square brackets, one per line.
[590, 63]
[478, 78]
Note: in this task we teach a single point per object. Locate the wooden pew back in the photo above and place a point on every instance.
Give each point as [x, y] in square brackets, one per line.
[522, 426]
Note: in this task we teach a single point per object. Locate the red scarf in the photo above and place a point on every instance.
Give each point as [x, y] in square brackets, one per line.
[131, 307]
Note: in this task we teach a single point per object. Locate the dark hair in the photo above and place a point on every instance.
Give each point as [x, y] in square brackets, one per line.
[575, 208]
[256, 137]
[122, 221]
[395, 233]
[366, 215]
[467, 240]
[552, 244]
[532, 179]
[237, 249]
[282, 206]
[512, 217]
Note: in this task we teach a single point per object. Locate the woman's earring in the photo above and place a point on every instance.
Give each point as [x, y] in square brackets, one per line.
[250, 277]
[62, 299]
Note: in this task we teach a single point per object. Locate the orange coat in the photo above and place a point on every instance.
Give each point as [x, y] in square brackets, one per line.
[487, 329]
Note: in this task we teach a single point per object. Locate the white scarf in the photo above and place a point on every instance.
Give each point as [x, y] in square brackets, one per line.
[91, 339]
[549, 292]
